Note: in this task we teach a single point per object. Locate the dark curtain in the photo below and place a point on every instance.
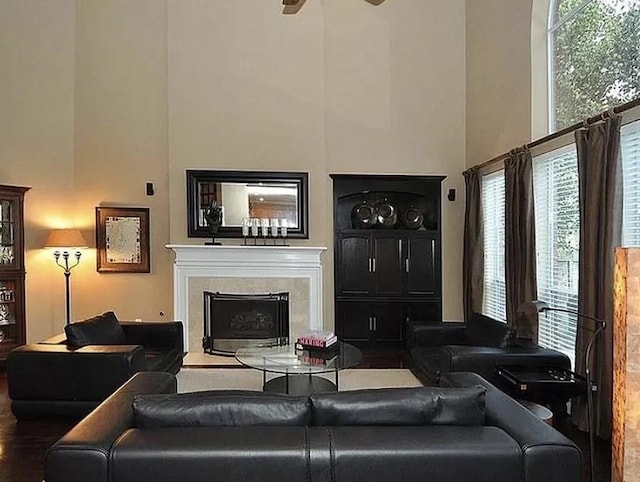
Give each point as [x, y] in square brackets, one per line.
[473, 251]
[520, 242]
[600, 179]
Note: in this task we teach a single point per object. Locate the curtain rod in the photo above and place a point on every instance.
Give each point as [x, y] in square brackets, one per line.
[616, 110]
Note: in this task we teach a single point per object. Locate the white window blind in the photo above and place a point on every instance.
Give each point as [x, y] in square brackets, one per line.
[492, 198]
[555, 181]
[630, 151]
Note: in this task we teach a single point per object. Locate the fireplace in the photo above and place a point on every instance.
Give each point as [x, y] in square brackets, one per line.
[233, 321]
[247, 269]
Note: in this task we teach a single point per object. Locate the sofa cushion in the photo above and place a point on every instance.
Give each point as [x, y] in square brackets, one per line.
[220, 408]
[103, 329]
[400, 406]
[484, 331]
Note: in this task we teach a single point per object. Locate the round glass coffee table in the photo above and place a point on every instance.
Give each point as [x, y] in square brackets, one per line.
[299, 368]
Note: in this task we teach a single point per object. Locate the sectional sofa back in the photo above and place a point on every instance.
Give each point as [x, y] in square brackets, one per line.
[464, 406]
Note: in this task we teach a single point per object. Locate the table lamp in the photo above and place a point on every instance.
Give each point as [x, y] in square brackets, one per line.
[65, 240]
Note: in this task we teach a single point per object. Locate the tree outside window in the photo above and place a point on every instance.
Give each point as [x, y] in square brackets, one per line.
[595, 48]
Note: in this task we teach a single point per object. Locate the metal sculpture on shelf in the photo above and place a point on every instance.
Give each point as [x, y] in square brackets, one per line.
[213, 216]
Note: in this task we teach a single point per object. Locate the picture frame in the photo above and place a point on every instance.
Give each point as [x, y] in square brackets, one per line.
[224, 187]
[122, 240]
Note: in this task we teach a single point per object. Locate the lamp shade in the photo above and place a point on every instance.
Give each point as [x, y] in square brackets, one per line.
[65, 238]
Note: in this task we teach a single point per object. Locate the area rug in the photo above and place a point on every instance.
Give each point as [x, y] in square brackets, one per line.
[198, 379]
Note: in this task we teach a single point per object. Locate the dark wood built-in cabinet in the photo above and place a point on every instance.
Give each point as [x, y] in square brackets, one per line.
[387, 256]
[12, 292]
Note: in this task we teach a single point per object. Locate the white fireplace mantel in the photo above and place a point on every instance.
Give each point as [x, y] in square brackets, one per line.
[245, 262]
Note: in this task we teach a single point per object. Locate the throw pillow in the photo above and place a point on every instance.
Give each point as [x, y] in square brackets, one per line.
[400, 406]
[103, 329]
[220, 408]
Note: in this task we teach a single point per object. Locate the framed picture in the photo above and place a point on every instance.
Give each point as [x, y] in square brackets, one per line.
[122, 240]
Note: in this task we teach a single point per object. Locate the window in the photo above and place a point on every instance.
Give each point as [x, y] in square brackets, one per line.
[630, 151]
[494, 303]
[555, 181]
[594, 57]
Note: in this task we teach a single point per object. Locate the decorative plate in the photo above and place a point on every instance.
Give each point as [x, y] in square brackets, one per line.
[363, 216]
[387, 214]
[412, 218]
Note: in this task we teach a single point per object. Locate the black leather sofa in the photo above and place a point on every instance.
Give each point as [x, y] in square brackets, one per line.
[478, 346]
[71, 374]
[476, 433]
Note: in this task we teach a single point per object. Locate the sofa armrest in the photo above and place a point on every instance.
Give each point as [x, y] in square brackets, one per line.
[83, 453]
[549, 456]
[436, 335]
[58, 372]
[155, 334]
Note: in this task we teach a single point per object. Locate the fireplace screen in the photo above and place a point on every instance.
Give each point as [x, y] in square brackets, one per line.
[233, 321]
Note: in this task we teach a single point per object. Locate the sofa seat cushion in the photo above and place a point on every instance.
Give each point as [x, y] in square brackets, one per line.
[220, 408]
[400, 406]
[247, 454]
[463, 358]
[103, 329]
[418, 454]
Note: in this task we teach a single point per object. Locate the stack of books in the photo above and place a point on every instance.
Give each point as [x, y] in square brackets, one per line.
[311, 358]
[321, 344]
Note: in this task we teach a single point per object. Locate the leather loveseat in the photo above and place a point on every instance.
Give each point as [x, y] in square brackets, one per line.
[479, 346]
[469, 431]
[71, 374]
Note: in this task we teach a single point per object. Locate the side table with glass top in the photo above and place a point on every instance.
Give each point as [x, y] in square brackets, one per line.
[299, 369]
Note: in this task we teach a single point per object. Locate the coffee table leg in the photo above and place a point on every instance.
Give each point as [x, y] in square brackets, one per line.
[337, 384]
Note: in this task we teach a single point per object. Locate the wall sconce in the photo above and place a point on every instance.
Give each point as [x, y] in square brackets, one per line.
[64, 240]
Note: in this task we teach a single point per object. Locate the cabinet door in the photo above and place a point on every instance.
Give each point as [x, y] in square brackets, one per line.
[10, 232]
[353, 321]
[11, 309]
[388, 320]
[422, 266]
[387, 264]
[354, 265]
[12, 304]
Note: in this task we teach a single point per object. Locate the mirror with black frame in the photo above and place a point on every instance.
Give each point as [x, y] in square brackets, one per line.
[247, 195]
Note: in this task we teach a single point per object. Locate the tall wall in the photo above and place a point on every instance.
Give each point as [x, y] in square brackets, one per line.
[37, 59]
[498, 77]
[102, 97]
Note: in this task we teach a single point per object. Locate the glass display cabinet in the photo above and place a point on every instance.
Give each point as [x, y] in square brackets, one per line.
[12, 273]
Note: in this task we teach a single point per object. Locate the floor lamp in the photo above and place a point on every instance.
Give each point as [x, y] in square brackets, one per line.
[538, 306]
[64, 240]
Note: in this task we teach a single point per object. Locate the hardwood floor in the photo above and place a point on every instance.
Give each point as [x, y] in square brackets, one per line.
[23, 444]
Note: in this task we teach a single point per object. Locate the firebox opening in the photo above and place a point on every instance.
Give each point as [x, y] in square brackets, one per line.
[233, 321]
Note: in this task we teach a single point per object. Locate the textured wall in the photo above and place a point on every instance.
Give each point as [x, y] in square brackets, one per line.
[626, 358]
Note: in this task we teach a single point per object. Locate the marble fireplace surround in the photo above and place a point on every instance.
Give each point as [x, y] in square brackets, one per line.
[246, 269]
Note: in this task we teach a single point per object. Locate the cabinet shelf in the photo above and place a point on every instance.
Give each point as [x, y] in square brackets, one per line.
[386, 277]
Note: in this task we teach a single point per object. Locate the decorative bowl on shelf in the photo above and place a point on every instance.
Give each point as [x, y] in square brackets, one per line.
[387, 214]
[363, 215]
[412, 218]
